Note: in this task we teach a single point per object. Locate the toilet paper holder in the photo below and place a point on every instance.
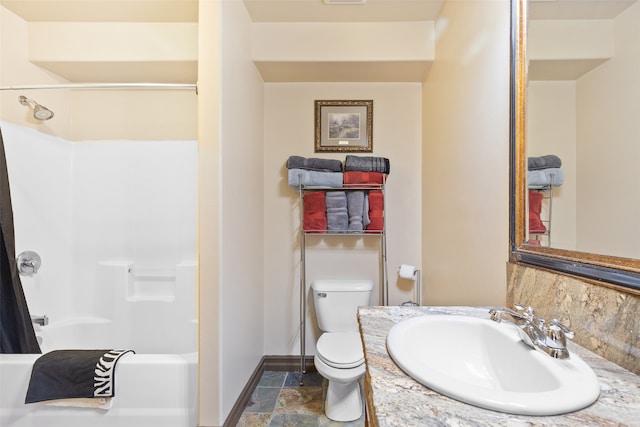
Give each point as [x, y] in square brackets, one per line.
[410, 272]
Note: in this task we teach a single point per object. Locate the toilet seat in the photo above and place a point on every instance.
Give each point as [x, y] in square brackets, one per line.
[342, 350]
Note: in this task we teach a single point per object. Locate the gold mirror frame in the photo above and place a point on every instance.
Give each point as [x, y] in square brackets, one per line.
[610, 271]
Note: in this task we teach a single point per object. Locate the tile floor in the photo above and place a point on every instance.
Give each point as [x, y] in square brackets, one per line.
[280, 401]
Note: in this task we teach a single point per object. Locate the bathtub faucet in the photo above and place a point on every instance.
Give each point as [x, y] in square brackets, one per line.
[40, 320]
[29, 263]
[552, 338]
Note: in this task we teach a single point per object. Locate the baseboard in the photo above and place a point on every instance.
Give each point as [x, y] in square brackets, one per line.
[287, 363]
[267, 363]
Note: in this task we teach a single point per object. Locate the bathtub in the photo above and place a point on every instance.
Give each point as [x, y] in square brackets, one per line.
[156, 387]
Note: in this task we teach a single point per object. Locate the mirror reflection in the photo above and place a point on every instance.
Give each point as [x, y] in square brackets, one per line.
[582, 130]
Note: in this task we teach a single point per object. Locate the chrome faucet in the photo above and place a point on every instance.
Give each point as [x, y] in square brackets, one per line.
[551, 338]
[29, 263]
[40, 320]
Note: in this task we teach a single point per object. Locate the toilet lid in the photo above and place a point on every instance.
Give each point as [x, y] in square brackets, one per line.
[340, 349]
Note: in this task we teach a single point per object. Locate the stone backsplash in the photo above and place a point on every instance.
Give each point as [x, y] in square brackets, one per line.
[604, 320]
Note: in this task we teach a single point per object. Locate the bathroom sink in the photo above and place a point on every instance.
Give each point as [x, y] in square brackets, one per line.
[486, 364]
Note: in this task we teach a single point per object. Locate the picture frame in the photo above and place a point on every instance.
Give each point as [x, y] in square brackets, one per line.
[343, 126]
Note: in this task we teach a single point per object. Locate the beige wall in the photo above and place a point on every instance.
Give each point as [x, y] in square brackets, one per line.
[465, 156]
[15, 69]
[551, 129]
[209, 290]
[289, 130]
[589, 122]
[87, 114]
[608, 101]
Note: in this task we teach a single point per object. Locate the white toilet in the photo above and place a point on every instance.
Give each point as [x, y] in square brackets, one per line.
[339, 357]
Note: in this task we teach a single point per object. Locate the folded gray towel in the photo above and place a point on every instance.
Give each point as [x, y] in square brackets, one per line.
[315, 178]
[365, 217]
[543, 177]
[355, 204]
[543, 162]
[367, 164]
[337, 214]
[324, 165]
[336, 200]
[337, 220]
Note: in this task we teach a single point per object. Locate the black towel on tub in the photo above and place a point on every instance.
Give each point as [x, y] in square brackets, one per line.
[65, 374]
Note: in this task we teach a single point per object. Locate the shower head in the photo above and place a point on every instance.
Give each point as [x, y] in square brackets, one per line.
[40, 112]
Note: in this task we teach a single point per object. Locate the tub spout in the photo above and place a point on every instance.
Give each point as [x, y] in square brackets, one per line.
[40, 320]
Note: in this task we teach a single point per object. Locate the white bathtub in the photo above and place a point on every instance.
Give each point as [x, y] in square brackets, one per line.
[154, 389]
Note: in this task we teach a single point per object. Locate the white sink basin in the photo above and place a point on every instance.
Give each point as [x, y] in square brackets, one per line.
[483, 363]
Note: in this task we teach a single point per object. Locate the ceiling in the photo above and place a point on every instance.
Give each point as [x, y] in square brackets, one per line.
[187, 10]
[260, 11]
[577, 9]
[287, 10]
[317, 11]
[104, 10]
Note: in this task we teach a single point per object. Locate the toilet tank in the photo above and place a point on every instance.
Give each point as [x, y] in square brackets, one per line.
[336, 303]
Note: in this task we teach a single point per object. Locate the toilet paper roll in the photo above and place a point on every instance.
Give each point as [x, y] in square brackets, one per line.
[406, 271]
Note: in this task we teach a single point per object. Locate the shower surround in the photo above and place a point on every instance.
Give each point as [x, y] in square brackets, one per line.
[115, 225]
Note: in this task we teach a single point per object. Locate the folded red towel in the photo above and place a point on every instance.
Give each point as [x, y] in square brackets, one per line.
[535, 208]
[315, 221]
[315, 202]
[357, 177]
[377, 222]
[376, 200]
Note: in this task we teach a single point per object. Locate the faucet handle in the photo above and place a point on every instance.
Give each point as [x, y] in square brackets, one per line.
[525, 311]
[559, 332]
[28, 263]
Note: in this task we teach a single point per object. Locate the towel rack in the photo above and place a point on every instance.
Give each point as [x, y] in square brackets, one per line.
[302, 190]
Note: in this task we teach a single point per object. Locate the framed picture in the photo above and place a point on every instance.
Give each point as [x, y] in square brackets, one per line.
[344, 126]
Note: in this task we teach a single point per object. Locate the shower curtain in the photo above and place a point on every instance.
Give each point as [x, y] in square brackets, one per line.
[16, 330]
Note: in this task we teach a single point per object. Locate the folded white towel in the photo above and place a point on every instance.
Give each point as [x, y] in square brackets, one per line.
[82, 402]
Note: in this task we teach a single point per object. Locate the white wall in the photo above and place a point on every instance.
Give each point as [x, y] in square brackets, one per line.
[608, 101]
[82, 207]
[40, 176]
[289, 130]
[465, 159]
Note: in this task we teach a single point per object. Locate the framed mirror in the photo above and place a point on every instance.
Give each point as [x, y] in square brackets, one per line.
[574, 104]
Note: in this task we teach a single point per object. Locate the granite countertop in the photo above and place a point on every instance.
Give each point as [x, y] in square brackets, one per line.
[395, 399]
